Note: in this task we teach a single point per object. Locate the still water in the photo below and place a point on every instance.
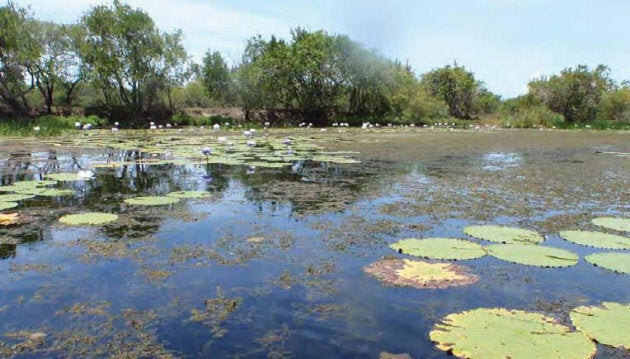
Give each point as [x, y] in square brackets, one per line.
[270, 264]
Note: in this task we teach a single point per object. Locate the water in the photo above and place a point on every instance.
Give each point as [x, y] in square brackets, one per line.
[271, 264]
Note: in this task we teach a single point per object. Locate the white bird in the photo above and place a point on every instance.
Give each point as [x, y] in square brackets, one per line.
[36, 128]
[216, 126]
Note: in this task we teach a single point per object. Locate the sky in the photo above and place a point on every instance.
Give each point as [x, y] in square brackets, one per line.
[506, 43]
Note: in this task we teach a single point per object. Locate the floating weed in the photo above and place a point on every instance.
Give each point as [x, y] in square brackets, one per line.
[189, 194]
[538, 256]
[420, 274]
[617, 262]
[514, 333]
[90, 218]
[618, 224]
[440, 248]
[596, 239]
[502, 234]
[607, 324]
[216, 311]
[152, 201]
[385, 355]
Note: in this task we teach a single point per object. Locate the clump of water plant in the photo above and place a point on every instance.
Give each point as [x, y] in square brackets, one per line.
[440, 248]
[420, 274]
[502, 333]
[503, 234]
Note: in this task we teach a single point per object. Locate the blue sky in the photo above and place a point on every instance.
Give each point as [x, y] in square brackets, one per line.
[505, 43]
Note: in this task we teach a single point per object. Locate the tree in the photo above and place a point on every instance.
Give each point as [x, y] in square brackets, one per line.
[18, 52]
[574, 93]
[457, 87]
[127, 56]
[615, 105]
[215, 75]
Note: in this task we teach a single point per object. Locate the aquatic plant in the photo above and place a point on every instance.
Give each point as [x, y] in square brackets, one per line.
[501, 333]
[502, 234]
[151, 201]
[616, 223]
[440, 248]
[539, 256]
[420, 274]
[7, 205]
[617, 262]
[596, 239]
[189, 194]
[607, 324]
[90, 218]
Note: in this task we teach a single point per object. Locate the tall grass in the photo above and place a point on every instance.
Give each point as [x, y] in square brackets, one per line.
[46, 125]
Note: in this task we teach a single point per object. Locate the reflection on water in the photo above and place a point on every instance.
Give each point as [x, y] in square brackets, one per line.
[270, 265]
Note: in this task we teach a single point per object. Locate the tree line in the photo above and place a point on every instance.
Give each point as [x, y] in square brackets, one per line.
[114, 61]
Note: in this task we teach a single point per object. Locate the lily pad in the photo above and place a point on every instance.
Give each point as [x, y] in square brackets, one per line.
[420, 274]
[7, 219]
[65, 177]
[440, 248]
[501, 333]
[332, 159]
[618, 262]
[47, 192]
[90, 218]
[152, 201]
[7, 205]
[539, 256]
[189, 194]
[14, 197]
[607, 324]
[596, 239]
[502, 234]
[616, 223]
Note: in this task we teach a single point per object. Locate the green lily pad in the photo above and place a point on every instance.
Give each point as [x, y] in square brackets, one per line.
[189, 194]
[7, 205]
[618, 224]
[596, 239]
[65, 177]
[440, 248]
[332, 159]
[91, 218]
[501, 333]
[47, 192]
[152, 201]
[607, 324]
[14, 197]
[539, 256]
[268, 164]
[618, 262]
[420, 274]
[502, 234]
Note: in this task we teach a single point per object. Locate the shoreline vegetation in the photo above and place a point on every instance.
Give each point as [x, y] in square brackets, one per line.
[60, 77]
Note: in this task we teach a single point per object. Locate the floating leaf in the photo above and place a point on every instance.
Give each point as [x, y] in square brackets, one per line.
[152, 201]
[14, 197]
[189, 194]
[65, 177]
[502, 234]
[91, 218]
[539, 256]
[420, 274]
[7, 219]
[501, 333]
[618, 224]
[608, 324]
[47, 192]
[440, 248]
[618, 262]
[7, 205]
[332, 159]
[596, 239]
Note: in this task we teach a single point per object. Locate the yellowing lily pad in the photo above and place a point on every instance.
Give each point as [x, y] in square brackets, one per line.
[502, 234]
[420, 274]
[189, 194]
[91, 218]
[608, 324]
[500, 333]
[596, 239]
[440, 248]
[152, 201]
[618, 262]
[618, 224]
[65, 177]
[7, 205]
[539, 256]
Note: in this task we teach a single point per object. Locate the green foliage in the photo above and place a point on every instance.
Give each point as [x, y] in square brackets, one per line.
[215, 75]
[48, 125]
[615, 106]
[574, 93]
[532, 116]
[458, 88]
